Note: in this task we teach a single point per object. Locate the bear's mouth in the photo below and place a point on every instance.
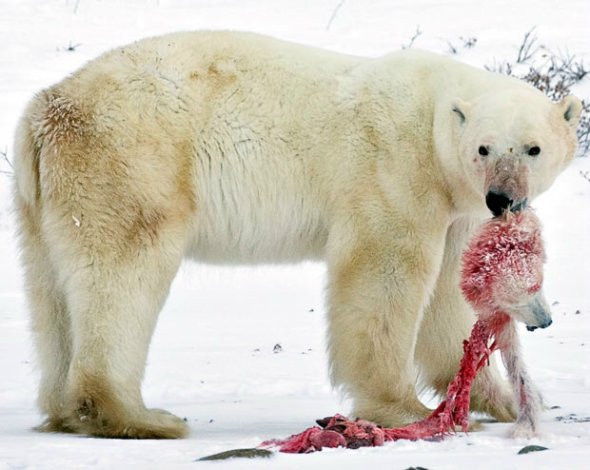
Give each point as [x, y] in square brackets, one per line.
[499, 202]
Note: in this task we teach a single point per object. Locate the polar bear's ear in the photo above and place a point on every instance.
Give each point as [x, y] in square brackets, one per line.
[571, 107]
[461, 109]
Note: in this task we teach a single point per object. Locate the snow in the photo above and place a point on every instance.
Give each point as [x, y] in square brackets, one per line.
[212, 358]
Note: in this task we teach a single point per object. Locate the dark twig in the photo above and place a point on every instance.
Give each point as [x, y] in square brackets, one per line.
[416, 35]
[527, 48]
[469, 42]
[452, 49]
[504, 68]
[4, 158]
[584, 129]
[72, 47]
[334, 13]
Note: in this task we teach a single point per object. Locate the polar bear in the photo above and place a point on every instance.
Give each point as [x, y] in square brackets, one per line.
[237, 148]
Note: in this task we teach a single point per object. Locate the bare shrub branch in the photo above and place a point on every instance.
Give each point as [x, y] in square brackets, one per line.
[584, 128]
[468, 42]
[416, 35]
[72, 47]
[334, 14]
[527, 49]
[6, 163]
[504, 68]
[552, 73]
[452, 49]
[464, 42]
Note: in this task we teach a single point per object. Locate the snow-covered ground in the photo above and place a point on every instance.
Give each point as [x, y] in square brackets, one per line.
[212, 358]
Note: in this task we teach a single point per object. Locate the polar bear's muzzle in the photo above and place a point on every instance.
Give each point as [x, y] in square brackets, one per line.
[507, 186]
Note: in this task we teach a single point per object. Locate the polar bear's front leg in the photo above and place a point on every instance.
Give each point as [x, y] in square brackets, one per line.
[377, 293]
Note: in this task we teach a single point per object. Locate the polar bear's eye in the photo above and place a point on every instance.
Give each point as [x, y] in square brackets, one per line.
[533, 151]
[483, 151]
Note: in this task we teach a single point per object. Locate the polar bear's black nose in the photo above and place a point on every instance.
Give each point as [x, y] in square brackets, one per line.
[497, 202]
[544, 325]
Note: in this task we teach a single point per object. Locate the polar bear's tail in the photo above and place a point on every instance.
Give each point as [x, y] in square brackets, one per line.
[27, 148]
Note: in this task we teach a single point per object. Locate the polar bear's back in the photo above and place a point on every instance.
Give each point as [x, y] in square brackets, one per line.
[194, 57]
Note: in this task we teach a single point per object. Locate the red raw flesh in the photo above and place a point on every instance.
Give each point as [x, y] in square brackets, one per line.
[339, 431]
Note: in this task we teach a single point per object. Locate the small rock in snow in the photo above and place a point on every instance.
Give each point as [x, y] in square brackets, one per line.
[531, 448]
[238, 453]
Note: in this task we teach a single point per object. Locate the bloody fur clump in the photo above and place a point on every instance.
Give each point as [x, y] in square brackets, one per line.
[502, 266]
[503, 263]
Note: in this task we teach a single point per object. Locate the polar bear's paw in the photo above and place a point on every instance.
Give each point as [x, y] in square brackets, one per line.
[55, 424]
[522, 430]
[391, 413]
[493, 398]
[503, 411]
[156, 424]
[146, 424]
[96, 409]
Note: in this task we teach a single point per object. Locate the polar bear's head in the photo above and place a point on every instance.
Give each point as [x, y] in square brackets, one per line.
[508, 146]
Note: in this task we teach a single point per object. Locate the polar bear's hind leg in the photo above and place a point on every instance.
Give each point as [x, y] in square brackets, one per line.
[104, 228]
[50, 320]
